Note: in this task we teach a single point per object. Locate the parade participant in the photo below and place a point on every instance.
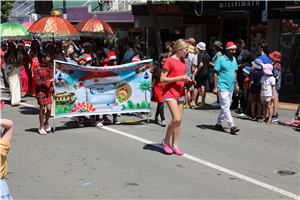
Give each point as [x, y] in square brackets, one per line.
[129, 53]
[44, 88]
[217, 47]
[158, 89]
[267, 92]
[224, 78]
[201, 74]
[255, 86]
[189, 62]
[23, 74]
[59, 55]
[27, 47]
[111, 61]
[138, 51]
[174, 78]
[6, 138]
[2, 51]
[276, 58]
[13, 62]
[34, 62]
[88, 59]
[87, 49]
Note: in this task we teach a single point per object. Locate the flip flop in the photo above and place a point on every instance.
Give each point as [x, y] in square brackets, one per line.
[42, 132]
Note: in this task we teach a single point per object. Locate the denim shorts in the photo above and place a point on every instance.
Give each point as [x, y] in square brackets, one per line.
[171, 99]
[276, 94]
[4, 191]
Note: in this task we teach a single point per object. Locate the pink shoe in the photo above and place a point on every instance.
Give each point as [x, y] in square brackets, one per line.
[167, 148]
[178, 152]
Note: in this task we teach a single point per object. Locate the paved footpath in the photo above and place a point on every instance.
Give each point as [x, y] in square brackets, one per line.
[127, 162]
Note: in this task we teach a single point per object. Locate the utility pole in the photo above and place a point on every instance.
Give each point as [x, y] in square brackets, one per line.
[64, 10]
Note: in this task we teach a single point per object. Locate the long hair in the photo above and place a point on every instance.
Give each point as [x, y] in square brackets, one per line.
[264, 46]
[179, 44]
[157, 69]
[32, 46]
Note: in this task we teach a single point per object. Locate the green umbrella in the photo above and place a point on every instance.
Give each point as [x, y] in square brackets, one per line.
[13, 31]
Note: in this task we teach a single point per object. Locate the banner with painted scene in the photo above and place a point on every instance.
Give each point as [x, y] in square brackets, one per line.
[88, 90]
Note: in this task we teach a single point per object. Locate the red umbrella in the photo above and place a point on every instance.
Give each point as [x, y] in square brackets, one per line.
[95, 28]
[27, 24]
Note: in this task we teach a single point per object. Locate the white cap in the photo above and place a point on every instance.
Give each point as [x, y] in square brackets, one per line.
[201, 46]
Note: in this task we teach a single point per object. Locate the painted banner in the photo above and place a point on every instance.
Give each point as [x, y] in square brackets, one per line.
[88, 90]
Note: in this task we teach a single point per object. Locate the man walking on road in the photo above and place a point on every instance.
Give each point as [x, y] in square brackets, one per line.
[224, 79]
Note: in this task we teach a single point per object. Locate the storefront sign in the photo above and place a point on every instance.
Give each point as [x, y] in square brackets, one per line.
[200, 20]
[78, 14]
[275, 14]
[292, 4]
[233, 5]
[167, 9]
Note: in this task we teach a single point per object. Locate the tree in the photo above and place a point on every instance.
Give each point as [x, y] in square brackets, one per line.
[6, 9]
[144, 86]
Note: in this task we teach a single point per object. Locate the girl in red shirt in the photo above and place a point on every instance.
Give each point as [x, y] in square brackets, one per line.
[158, 89]
[173, 75]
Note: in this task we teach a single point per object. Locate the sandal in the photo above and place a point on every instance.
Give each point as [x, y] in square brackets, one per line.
[269, 122]
[260, 121]
[193, 105]
[157, 120]
[167, 148]
[42, 132]
[47, 128]
[178, 152]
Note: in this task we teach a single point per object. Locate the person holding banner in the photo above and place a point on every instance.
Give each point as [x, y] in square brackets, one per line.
[173, 75]
[34, 61]
[44, 88]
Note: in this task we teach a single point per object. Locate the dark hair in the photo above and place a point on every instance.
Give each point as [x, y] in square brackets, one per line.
[241, 42]
[42, 54]
[31, 47]
[23, 51]
[157, 69]
[170, 43]
[130, 44]
[264, 46]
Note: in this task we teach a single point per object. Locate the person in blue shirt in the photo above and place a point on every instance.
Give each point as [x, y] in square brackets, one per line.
[264, 52]
[224, 79]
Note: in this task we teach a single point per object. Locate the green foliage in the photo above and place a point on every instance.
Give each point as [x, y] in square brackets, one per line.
[75, 86]
[63, 109]
[6, 8]
[145, 104]
[145, 85]
[131, 105]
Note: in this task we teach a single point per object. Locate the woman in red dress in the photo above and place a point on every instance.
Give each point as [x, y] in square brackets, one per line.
[173, 75]
[34, 62]
[158, 89]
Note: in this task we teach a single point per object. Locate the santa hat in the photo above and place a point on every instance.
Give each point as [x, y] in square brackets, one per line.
[111, 56]
[105, 61]
[27, 44]
[49, 44]
[88, 57]
[86, 43]
[135, 59]
[81, 58]
[230, 45]
[21, 43]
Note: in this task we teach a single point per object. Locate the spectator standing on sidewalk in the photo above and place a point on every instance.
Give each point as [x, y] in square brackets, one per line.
[217, 47]
[3, 50]
[224, 75]
[244, 58]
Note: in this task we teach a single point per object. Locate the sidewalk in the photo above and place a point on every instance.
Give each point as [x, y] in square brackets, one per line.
[211, 98]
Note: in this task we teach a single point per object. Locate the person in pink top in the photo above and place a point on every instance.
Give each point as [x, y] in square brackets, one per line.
[173, 75]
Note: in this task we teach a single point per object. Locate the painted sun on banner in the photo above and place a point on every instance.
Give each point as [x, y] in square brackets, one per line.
[88, 90]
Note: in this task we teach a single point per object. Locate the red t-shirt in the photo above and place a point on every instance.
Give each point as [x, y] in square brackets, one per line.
[2, 58]
[175, 68]
[246, 81]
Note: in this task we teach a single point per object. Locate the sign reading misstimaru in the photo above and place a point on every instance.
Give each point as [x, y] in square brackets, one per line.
[87, 90]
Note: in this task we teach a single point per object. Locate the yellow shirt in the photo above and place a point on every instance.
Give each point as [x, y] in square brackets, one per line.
[5, 147]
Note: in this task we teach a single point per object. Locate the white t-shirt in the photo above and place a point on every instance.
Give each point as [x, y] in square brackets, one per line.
[266, 85]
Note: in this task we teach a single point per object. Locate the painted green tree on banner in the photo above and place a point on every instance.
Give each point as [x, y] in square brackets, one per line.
[144, 86]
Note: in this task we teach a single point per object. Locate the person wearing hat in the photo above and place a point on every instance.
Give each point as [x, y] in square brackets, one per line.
[276, 59]
[87, 48]
[5, 145]
[267, 92]
[201, 74]
[217, 47]
[2, 51]
[255, 86]
[27, 46]
[224, 79]
[243, 58]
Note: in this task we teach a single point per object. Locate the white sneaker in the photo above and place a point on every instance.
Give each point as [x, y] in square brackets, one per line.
[80, 124]
[98, 124]
[242, 115]
[215, 104]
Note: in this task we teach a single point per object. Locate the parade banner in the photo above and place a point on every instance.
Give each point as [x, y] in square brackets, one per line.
[88, 90]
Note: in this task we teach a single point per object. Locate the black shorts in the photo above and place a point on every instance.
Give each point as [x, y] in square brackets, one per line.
[201, 81]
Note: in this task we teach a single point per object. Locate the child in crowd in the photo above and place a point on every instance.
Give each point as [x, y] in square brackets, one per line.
[6, 137]
[173, 75]
[276, 58]
[267, 92]
[255, 86]
[44, 88]
[246, 73]
[158, 89]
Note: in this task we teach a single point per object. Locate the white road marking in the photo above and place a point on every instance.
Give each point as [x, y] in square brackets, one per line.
[211, 165]
[198, 160]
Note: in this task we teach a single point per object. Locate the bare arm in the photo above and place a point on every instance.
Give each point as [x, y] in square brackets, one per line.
[164, 79]
[8, 129]
[237, 83]
[273, 93]
[199, 68]
[215, 90]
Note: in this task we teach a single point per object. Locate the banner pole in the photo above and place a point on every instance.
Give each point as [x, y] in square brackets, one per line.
[54, 68]
[148, 117]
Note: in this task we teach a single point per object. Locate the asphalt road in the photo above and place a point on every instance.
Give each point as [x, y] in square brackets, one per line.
[127, 162]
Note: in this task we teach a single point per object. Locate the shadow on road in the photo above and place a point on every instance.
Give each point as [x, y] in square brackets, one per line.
[154, 148]
[212, 127]
[29, 111]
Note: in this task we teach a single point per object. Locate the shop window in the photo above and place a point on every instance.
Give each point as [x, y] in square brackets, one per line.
[290, 50]
[258, 36]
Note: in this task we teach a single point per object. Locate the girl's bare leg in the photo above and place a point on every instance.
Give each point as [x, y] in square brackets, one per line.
[48, 114]
[41, 116]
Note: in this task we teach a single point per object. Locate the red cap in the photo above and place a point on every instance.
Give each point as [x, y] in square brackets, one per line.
[111, 56]
[230, 45]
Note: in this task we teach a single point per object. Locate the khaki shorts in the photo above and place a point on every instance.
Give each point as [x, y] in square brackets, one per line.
[255, 98]
[266, 99]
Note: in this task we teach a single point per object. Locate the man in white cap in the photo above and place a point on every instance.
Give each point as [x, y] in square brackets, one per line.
[201, 74]
[87, 48]
[224, 79]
